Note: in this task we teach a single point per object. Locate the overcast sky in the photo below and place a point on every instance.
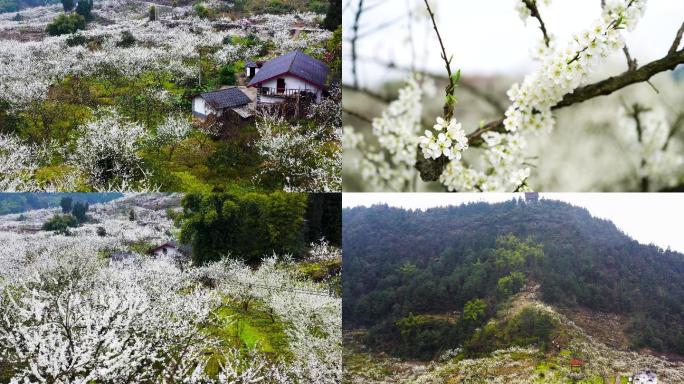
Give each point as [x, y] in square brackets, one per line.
[487, 36]
[647, 217]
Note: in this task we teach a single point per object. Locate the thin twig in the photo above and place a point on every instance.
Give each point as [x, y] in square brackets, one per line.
[485, 96]
[676, 126]
[635, 113]
[450, 89]
[631, 63]
[376, 95]
[357, 115]
[355, 37]
[677, 40]
[534, 12]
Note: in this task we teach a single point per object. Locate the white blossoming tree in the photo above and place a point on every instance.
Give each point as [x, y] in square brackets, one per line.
[495, 156]
[69, 313]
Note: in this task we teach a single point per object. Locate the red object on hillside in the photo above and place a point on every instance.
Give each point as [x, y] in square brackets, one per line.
[576, 363]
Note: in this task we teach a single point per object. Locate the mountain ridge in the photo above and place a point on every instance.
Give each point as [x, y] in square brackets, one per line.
[587, 262]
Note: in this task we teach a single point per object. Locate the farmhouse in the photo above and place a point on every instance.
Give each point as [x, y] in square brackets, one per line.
[169, 249]
[644, 377]
[291, 75]
[229, 104]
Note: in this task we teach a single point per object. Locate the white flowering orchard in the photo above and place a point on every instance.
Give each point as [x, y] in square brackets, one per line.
[96, 109]
[70, 314]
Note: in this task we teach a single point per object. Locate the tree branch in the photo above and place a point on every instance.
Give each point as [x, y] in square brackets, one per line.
[355, 37]
[677, 40]
[375, 95]
[534, 12]
[487, 97]
[357, 115]
[449, 102]
[428, 170]
[631, 63]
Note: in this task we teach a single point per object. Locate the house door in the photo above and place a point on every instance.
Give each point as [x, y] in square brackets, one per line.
[281, 86]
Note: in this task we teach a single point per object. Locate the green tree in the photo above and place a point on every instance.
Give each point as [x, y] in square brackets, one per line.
[227, 74]
[79, 211]
[84, 8]
[474, 311]
[65, 203]
[333, 55]
[131, 215]
[68, 5]
[65, 24]
[510, 284]
[152, 13]
[333, 18]
[247, 226]
[101, 231]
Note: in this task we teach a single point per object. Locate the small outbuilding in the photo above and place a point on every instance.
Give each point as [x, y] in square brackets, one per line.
[220, 103]
[252, 67]
[576, 363]
[531, 197]
[167, 249]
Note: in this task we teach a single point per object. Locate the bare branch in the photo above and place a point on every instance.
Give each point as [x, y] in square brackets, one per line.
[534, 12]
[482, 94]
[631, 63]
[450, 89]
[355, 37]
[677, 40]
[357, 115]
[635, 113]
[377, 96]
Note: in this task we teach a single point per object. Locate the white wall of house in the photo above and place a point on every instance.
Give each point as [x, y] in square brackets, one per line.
[170, 251]
[199, 105]
[291, 82]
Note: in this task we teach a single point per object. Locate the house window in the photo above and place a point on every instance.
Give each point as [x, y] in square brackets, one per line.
[281, 86]
[252, 72]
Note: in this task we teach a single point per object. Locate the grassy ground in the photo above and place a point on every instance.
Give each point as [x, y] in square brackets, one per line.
[253, 328]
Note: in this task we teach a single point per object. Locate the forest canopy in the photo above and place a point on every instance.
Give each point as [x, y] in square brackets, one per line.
[421, 282]
[250, 226]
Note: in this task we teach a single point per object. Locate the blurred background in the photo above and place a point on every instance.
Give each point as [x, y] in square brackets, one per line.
[594, 147]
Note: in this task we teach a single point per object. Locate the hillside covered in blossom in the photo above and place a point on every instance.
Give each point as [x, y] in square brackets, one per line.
[511, 292]
[118, 298]
[98, 96]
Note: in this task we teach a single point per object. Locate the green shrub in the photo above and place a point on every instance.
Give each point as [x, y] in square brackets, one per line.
[530, 326]
[202, 11]
[61, 223]
[275, 7]
[127, 40]
[64, 24]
